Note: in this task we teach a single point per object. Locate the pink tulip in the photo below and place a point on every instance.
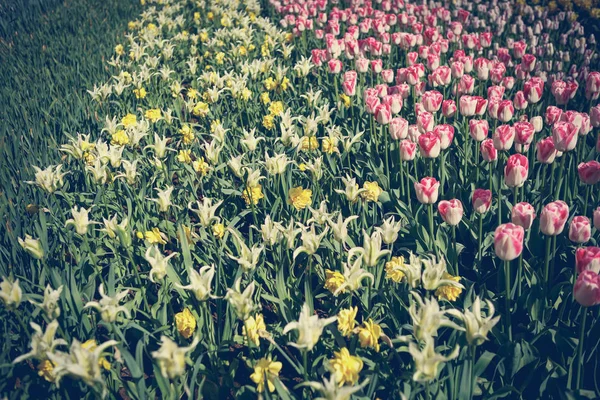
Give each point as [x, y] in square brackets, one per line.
[553, 115]
[335, 66]
[387, 75]
[408, 150]
[520, 102]
[488, 150]
[425, 122]
[595, 116]
[481, 200]
[451, 211]
[349, 84]
[383, 114]
[587, 259]
[553, 218]
[467, 105]
[362, 65]
[432, 100]
[589, 172]
[587, 289]
[429, 145]
[564, 135]
[516, 170]
[427, 190]
[506, 110]
[533, 90]
[446, 134]
[503, 137]
[508, 241]
[479, 129]
[596, 218]
[448, 108]
[523, 214]
[545, 151]
[398, 128]
[580, 229]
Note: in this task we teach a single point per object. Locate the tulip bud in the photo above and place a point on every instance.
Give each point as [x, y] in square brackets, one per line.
[564, 135]
[515, 171]
[508, 241]
[589, 172]
[545, 151]
[398, 128]
[429, 145]
[488, 150]
[523, 214]
[427, 190]
[478, 129]
[32, 246]
[481, 200]
[587, 289]
[407, 150]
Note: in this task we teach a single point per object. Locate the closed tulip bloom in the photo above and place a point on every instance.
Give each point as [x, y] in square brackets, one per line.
[481, 200]
[587, 289]
[538, 123]
[398, 128]
[451, 211]
[503, 137]
[587, 259]
[427, 190]
[580, 229]
[553, 115]
[446, 135]
[408, 150]
[524, 132]
[432, 100]
[449, 108]
[508, 241]
[545, 151]
[383, 114]
[589, 172]
[515, 171]
[467, 105]
[478, 129]
[553, 218]
[506, 110]
[429, 145]
[595, 116]
[523, 214]
[564, 135]
[596, 218]
[488, 150]
[425, 122]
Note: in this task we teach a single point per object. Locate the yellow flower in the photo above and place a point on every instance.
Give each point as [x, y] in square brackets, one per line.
[276, 108]
[187, 133]
[242, 51]
[225, 21]
[91, 346]
[393, 269]
[139, 235]
[265, 370]
[346, 100]
[196, 16]
[302, 167]
[220, 57]
[448, 292]
[155, 236]
[333, 280]
[269, 121]
[184, 156]
[131, 25]
[270, 84]
[345, 367]
[215, 125]
[120, 138]
[264, 98]
[253, 194]
[139, 93]
[218, 230]
[186, 323]
[368, 334]
[372, 191]
[210, 15]
[300, 198]
[254, 329]
[246, 94]
[153, 114]
[289, 37]
[192, 93]
[200, 109]
[329, 145]
[309, 143]
[129, 120]
[201, 166]
[284, 83]
[46, 370]
[347, 321]
[119, 49]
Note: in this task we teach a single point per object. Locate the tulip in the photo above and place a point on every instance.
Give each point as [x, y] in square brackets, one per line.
[508, 241]
[589, 172]
[597, 218]
[383, 114]
[564, 135]
[449, 108]
[587, 259]
[432, 100]
[580, 229]
[553, 114]
[429, 145]
[545, 151]
[451, 211]
[515, 171]
[504, 137]
[587, 289]
[425, 122]
[398, 128]
[523, 214]
[407, 150]
[481, 200]
[488, 150]
[553, 218]
[478, 129]
[427, 190]
[446, 135]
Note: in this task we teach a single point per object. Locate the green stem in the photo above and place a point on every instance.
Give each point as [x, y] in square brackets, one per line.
[507, 298]
[431, 232]
[479, 240]
[560, 176]
[579, 376]
[455, 272]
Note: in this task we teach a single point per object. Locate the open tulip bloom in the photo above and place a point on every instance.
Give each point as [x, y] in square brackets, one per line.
[299, 198]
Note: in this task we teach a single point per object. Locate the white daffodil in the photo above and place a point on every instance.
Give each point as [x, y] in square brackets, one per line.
[80, 220]
[477, 326]
[171, 358]
[164, 198]
[433, 274]
[351, 191]
[158, 263]
[241, 302]
[427, 360]
[309, 327]
[428, 317]
[49, 179]
[310, 241]
[249, 257]
[50, 303]
[200, 282]
[32, 246]
[389, 230]
[109, 307]
[42, 342]
[206, 211]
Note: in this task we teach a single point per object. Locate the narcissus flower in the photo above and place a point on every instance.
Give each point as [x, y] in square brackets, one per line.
[333, 281]
[345, 367]
[372, 191]
[346, 319]
[218, 230]
[299, 197]
[253, 194]
[368, 334]
[265, 371]
[186, 323]
[449, 292]
[254, 328]
[393, 269]
[155, 236]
